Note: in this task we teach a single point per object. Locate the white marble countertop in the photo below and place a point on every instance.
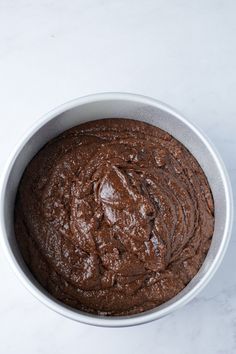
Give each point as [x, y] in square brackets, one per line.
[179, 51]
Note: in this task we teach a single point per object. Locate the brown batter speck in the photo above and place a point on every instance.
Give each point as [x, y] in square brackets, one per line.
[114, 217]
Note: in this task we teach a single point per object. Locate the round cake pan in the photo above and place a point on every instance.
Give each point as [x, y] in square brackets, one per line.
[118, 105]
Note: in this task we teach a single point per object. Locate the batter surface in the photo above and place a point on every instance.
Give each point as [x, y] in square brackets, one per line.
[114, 217]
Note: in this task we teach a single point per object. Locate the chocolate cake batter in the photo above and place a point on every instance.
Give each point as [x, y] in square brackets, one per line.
[114, 217]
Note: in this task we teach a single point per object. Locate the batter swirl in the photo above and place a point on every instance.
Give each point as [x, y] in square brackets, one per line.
[114, 217]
